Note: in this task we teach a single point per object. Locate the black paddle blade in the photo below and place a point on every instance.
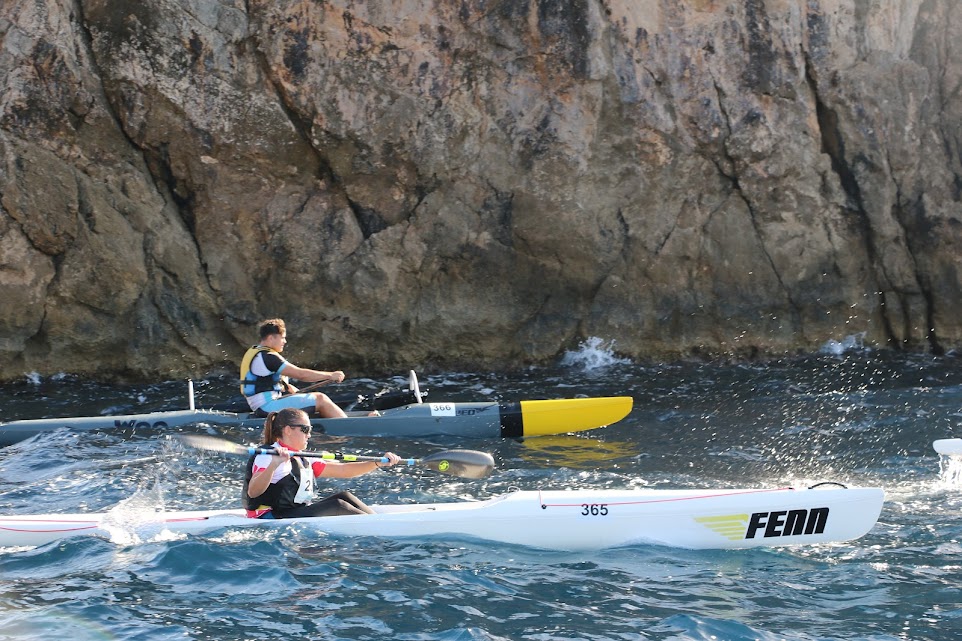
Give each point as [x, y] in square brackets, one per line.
[212, 444]
[468, 464]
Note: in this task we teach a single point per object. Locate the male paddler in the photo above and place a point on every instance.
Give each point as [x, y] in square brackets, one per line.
[264, 376]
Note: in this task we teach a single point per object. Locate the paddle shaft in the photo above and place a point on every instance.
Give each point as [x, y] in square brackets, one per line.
[467, 464]
[311, 387]
[331, 456]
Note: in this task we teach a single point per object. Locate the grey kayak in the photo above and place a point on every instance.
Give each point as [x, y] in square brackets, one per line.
[475, 420]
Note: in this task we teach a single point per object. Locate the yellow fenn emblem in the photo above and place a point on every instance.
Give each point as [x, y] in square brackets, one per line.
[730, 526]
[443, 466]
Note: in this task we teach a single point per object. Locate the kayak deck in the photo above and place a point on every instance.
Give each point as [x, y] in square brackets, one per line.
[548, 519]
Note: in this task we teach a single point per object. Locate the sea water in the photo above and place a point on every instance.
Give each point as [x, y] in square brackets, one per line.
[849, 414]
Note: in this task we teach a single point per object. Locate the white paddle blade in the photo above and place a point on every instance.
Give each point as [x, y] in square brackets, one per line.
[413, 385]
[212, 444]
[467, 464]
[948, 446]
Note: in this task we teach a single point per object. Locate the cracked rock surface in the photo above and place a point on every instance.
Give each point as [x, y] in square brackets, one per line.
[474, 184]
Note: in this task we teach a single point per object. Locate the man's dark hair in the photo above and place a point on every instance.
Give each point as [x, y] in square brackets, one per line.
[272, 326]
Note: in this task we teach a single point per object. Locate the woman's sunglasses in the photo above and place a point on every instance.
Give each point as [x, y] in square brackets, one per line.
[304, 428]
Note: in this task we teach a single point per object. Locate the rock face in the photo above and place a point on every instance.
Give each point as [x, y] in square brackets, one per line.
[480, 183]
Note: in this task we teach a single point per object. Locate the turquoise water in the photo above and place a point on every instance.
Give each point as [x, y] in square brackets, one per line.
[853, 416]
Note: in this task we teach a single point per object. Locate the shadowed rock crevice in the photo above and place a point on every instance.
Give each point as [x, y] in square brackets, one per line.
[833, 145]
[762, 57]
[564, 26]
[367, 219]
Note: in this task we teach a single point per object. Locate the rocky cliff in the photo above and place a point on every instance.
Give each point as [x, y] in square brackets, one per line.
[479, 183]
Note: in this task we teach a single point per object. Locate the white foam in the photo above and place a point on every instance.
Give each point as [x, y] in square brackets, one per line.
[950, 472]
[136, 519]
[854, 342]
[593, 353]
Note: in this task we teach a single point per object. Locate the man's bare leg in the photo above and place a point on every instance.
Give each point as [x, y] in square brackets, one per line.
[326, 408]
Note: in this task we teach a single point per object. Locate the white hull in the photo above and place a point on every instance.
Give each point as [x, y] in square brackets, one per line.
[557, 520]
[948, 446]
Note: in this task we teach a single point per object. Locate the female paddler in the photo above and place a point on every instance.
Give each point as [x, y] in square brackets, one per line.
[281, 485]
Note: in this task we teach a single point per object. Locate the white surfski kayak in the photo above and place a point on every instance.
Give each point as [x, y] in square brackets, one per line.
[547, 519]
